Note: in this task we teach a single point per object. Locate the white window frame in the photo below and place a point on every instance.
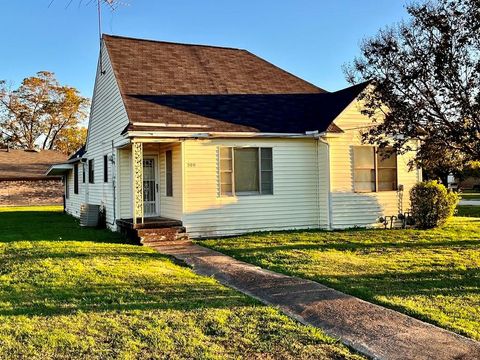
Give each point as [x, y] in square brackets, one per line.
[232, 172]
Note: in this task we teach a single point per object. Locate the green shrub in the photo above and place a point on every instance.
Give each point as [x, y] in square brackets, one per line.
[432, 204]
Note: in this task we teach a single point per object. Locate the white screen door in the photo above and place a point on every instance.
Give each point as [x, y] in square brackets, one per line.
[149, 187]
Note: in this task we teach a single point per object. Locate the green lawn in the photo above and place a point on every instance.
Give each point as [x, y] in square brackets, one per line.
[470, 196]
[469, 211]
[70, 292]
[433, 275]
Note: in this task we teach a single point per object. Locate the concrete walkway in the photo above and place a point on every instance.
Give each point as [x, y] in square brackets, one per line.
[370, 329]
[469, 202]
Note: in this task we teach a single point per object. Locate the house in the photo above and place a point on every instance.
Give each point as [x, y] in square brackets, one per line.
[23, 180]
[220, 142]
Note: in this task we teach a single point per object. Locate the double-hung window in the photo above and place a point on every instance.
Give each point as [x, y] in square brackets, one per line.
[374, 169]
[245, 171]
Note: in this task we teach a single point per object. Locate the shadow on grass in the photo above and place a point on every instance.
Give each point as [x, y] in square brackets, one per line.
[50, 226]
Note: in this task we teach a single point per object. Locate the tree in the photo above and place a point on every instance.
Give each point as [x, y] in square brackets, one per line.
[70, 140]
[39, 110]
[425, 75]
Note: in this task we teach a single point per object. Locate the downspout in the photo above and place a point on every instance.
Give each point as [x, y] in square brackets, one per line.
[114, 182]
[329, 190]
[317, 161]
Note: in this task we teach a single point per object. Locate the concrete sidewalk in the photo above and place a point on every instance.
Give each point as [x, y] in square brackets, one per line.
[370, 329]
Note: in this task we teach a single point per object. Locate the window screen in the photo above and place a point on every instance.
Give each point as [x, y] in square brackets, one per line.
[246, 172]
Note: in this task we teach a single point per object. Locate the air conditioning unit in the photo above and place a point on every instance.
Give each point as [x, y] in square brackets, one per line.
[89, 215]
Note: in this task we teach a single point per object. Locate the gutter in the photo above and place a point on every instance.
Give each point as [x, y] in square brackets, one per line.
[213, 135]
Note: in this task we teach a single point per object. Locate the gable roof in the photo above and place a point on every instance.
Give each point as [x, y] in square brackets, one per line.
[27, 165]
[181, 87]
[77, 155]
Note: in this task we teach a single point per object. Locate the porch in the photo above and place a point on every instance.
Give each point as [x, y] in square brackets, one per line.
[150, 191]
[149, 185]
[156, 222]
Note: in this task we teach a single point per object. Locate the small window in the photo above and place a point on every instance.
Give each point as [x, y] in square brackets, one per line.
[83, 173]
[105, 168]
[245, 171]
[374, 169]
[91, 171]
[168, 173]
[75, 179]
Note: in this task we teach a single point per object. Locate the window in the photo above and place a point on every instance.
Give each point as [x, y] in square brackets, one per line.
[374, 169]
[105, 168]
[387, 170]
[168, 173]
[91, 171]
[245, 171]
[364, 172]
[226, 171]
[75, 179]
[83, 173]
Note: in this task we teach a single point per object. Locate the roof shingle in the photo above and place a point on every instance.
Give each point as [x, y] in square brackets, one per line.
[27, 165]
[180, 87]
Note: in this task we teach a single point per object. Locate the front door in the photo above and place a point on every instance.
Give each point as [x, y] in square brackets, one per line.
[149, 186]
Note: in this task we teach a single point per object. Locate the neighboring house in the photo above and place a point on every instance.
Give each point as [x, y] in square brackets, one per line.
[23, 180]
[224, 142]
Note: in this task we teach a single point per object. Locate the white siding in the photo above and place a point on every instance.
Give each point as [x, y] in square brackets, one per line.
[293, 205]
[107, 120]
[124, 184]
[171, 206]
[72, 204]
[351, 209]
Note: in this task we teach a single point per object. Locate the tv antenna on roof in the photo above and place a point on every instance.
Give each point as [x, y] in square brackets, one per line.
[113, 4]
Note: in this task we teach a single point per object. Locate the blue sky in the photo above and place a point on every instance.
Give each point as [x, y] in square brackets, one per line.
[310, 38]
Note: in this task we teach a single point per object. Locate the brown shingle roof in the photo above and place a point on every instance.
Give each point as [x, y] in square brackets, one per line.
[181, 87]
[21, 164]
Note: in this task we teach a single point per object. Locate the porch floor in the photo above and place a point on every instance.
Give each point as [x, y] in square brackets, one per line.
[156, 222]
